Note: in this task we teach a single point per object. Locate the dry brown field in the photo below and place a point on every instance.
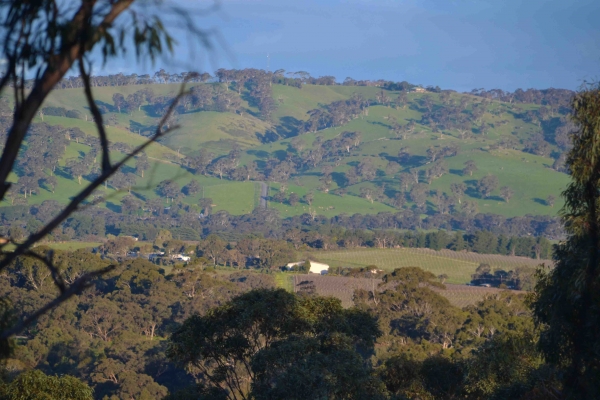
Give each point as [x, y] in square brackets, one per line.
[343, 288]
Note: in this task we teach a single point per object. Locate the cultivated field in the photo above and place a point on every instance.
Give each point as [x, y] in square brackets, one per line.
[459, 266]
[463, 295]
[343, 288]
[336, 286]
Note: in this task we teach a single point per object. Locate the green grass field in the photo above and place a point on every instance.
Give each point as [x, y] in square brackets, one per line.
[72, 246]
[528, 175]
[284, 280]
[458, 266]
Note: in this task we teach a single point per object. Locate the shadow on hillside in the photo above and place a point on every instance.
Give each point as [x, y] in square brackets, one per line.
[252, 102]
[540, 201]
[127, 169]
[139, 196]
[549, 128]
[113, 207]
[63, 174]
[281, 155]
[456, 172]
[390, 192]
[104, 107]
[259, 153]
[472, 192]
[411, 160]
[267, 137]
[289, 127]
[141, 129]
[495, 198]
[380, 124]
[339, 178]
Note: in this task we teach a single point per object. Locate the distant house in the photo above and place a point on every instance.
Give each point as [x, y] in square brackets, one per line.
[181, 257]
[290, 266]
[154, 256]
[420, 90]
[315, 267]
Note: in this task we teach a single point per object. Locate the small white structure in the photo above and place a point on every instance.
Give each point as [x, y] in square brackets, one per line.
[318, 268]
[315, 267]
[181, 257]
[291, 265]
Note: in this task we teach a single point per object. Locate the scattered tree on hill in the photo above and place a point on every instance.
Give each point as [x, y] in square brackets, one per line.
[550, 200]
[206, 205]
[50, 182]
[506, 193]
[458, 190]
[392, 168]
[308, 198]
[119, 101]
[293, 199]
[77, 168]
[168, 189]
[191, 188]
[469, 168]
[486, 185]
[418, 194]
[142, 164]
[122, 180]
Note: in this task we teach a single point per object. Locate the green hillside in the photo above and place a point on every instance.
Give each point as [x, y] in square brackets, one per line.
[495, 142]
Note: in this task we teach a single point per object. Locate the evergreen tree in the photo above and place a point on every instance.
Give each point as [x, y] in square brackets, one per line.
[567, 298]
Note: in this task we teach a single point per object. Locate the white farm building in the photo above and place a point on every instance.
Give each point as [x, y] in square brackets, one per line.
[318, 268]
[315, 267]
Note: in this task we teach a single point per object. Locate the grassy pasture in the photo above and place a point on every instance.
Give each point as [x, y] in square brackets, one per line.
[528, 175]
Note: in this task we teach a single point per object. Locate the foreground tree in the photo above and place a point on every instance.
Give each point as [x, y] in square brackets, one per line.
[35, 385]
[567, 298]
[47, 39]
[273, 344]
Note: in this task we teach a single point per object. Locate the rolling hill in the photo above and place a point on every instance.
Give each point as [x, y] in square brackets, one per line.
[498, 140]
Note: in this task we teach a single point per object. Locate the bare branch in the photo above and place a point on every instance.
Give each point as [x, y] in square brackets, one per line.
[77, 200]
[97, 116]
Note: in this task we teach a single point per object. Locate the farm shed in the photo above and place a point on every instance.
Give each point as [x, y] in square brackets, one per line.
[315, 267]
[318, 268]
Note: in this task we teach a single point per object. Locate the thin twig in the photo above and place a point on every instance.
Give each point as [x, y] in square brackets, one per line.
[77, 200]
[97, 116]
[47, 260]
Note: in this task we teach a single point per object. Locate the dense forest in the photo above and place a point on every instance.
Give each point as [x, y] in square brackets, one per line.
[126, 336]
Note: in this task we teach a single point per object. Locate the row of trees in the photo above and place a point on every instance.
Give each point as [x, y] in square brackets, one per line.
[143, 218]
[252, 251]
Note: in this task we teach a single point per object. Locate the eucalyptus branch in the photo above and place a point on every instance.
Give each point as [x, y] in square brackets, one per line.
[77, 200]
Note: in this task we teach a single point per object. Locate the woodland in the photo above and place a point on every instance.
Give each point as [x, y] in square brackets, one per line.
[245, 169]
